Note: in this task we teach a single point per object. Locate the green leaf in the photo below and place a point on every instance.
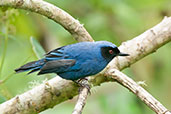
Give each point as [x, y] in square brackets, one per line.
[37, 48]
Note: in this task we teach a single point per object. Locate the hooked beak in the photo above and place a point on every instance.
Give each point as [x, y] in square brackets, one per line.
[123, 54]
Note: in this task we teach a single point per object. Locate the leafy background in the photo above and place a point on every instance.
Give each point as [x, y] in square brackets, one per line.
[23, 34]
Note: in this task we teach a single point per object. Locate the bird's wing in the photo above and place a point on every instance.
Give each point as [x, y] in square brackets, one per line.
[57, 66]
[58, 61]
[56, 54]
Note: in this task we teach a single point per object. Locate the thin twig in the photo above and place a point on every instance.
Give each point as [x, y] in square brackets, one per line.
[81, 101]
[84, 90]
[140, 92]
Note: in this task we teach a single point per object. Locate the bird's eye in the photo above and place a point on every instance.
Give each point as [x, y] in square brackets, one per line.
[111, 51]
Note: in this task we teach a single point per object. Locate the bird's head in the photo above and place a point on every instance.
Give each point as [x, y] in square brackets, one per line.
[109, 50]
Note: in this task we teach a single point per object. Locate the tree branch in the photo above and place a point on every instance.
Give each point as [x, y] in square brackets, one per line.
[52, 12]
[58, 90]
[81, 101]
[140, 92]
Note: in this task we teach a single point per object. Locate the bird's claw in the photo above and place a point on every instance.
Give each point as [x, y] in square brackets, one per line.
[85, 86]
[83, 83]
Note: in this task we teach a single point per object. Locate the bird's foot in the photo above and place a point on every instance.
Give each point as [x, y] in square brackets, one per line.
[83, 83]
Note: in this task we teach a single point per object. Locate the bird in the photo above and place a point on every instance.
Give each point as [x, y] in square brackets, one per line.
[75, 61]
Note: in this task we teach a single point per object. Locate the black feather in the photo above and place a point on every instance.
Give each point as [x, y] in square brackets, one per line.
[56, 65]
[25, 67]
[33, 70]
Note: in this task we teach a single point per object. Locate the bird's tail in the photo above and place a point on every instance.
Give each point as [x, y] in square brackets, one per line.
[31, 66]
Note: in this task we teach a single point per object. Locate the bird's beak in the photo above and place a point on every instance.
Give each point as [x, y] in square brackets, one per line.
[123, 54]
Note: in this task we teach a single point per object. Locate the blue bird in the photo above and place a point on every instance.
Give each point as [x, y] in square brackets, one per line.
[75, 61]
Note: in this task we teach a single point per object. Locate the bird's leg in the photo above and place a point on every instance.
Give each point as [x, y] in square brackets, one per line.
[83, 83]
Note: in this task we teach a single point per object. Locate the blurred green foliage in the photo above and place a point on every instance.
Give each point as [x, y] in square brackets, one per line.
[37, 48]
[112, 20]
